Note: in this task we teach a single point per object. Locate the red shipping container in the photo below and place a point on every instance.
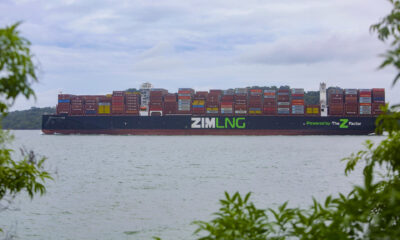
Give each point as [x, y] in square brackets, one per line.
[269, 104]
[283, 98]
[184, 97]
[63, 108]
[64, 96]
[240, 107]
[297, 102]
[365, 104]
[283, 90]
[227, 98]
[336, 109]
[132, 112]
[240, 97]
[77, 112]
[351, 100]
[186, 91]
[376, 108]
[216, 91]
[351, 109]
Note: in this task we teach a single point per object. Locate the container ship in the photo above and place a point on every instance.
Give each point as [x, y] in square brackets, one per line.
[240, 111]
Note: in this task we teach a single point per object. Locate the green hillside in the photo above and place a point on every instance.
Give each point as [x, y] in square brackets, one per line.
[26, 119]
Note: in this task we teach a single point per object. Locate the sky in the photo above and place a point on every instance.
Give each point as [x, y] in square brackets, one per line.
[97, 46]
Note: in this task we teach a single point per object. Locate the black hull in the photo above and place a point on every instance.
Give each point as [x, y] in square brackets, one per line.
[208, 125]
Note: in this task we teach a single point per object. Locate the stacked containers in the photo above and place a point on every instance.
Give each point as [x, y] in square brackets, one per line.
[351, 101]
[335, 102]
[170, 104]
[240, 101]
[132, 103]
[227, 104]
[269, 102]
[313, 110]
[297, 101]
[378, 100]
[64, 104]
[117, 102]
[365, 100]
[255, 102]
[77, 105]
[199, 103]
[212, 104]
[104, 105]
[185, 100]
[283, 101]
[90, 105]
[156, 101]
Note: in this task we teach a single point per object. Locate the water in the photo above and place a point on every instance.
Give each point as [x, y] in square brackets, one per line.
[136, 187]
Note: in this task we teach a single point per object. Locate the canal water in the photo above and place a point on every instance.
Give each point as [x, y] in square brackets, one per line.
[137, 187]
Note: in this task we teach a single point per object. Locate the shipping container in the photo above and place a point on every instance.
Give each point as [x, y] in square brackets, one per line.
[365, 109]
[215, 91]
[351, 108]
[351, 92]
[298, 91]
[336, 109]
[239, 101]
[378, 95]
[376, 108]
[284, 111]
[312, 110]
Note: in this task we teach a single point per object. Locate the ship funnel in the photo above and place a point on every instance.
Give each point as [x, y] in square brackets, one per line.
[322, 99]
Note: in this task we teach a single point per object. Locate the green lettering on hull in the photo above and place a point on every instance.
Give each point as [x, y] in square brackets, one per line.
[243, 125]
[343, 123]
[217, 123]
[231, 123]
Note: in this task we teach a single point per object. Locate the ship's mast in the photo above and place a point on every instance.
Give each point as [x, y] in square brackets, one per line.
[322, 99]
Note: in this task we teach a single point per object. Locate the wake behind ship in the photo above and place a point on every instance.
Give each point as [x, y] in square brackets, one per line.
[231, 112]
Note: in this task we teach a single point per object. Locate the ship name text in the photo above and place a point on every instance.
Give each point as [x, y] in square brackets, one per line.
[215, 122]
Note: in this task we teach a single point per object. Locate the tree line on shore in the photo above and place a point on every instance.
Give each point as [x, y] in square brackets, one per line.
[26, 119]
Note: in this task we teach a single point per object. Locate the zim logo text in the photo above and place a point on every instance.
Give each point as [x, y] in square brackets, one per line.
[205, 122]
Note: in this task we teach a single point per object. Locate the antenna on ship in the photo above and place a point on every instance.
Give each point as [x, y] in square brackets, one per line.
[322, 99]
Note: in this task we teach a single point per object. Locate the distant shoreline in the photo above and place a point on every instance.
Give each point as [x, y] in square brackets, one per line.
[30, 119]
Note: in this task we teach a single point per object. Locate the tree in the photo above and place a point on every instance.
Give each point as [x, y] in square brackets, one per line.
[388, 29]
[370, 211]
[17, 73]
[26, 119]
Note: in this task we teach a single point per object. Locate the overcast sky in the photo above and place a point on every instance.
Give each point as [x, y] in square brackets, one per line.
[95, 47]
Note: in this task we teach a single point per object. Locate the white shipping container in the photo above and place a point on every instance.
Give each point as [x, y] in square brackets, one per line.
[283, 103]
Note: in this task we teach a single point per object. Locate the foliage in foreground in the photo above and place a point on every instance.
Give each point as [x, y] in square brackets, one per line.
[17, 73]
[370, 211]
[27, 174]
[16, 67]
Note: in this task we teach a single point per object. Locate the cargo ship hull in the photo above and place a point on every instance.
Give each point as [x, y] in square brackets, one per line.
[208, 125]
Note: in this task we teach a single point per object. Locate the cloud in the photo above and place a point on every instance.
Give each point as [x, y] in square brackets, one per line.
[96, 46]
[311, 49]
